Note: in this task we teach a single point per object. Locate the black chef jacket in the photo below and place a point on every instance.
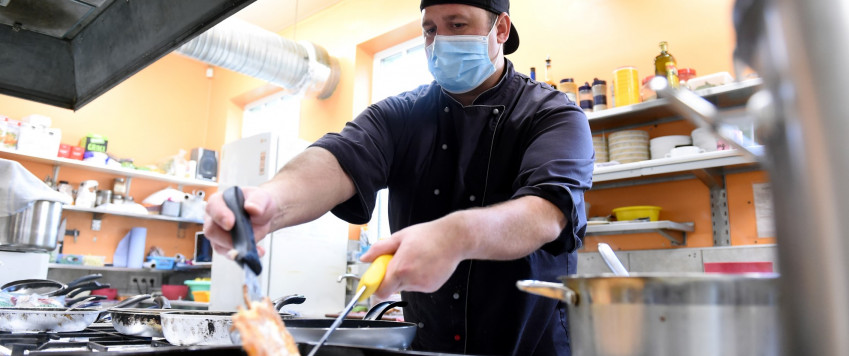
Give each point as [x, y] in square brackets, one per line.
[436, 156]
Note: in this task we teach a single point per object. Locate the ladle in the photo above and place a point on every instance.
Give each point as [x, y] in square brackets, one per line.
[611, 260]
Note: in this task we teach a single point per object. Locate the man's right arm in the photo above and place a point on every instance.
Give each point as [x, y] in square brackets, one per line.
[305, 189]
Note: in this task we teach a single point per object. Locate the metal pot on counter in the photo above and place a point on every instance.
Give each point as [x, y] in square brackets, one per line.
[34, 228]
[669, 314]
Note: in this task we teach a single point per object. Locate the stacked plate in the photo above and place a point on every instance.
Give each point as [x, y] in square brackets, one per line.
[628, 146]
[600, 146]
[660, 146]
[703, 138]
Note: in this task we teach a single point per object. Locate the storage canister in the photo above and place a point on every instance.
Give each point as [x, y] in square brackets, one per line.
[585, 95]
[626, 86]
[599, 94]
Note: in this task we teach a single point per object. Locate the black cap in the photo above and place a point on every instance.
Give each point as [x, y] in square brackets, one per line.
[494, 6]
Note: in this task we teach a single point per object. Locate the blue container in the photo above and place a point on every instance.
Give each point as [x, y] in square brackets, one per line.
[163, 262]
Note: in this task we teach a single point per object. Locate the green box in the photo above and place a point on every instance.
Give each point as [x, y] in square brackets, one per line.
[94, 143]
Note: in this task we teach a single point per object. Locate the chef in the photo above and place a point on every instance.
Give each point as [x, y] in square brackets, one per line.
[486, 170]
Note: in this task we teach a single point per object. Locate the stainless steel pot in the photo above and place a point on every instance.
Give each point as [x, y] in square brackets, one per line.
[55, 319]
[35, 228]
[669, 314]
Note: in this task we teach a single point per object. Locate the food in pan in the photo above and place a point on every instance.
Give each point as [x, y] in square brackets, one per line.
[262, 330]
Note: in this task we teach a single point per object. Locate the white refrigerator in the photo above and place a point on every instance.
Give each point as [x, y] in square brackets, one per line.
[304, 259]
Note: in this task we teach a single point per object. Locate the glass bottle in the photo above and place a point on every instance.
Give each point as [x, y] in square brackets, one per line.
[661, 60]
[548, 69]
[534, 73]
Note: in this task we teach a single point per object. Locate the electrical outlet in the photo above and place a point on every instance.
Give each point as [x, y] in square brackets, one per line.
[153, 282]
[146, 282]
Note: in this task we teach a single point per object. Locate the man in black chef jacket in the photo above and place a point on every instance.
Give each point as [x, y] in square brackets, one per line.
[486, 171]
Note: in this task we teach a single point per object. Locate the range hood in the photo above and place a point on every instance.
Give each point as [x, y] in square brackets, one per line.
[66, 53]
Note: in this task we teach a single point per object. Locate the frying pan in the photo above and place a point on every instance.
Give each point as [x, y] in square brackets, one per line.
[55, 319]
[185, 327]
[46, 287]
[369, 331]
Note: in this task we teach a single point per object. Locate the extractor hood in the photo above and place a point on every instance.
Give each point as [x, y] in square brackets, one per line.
[66, 53]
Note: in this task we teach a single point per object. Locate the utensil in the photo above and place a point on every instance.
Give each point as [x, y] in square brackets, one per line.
[368, 285]
[692, 314]
[611, 260]
[244, 246]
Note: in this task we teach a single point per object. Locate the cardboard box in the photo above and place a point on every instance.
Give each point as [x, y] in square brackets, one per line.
[94, 143]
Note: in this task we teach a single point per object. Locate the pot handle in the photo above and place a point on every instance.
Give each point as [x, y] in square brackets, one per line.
[550, 290]
[283, 301]
[376, 312]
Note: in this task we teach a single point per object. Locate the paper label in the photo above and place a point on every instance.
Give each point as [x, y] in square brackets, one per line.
[764, 217]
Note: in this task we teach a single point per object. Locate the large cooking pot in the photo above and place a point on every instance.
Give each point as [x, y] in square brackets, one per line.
[35, 228]
[668, 314]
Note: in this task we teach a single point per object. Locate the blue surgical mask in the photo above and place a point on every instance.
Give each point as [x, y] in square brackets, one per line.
[460, 63]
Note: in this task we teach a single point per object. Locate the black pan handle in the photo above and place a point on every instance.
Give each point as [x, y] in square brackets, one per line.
[161, 302]
[242, 232]
[87, 287]
[279, 303]
[376, 312]
[83, 279]
[72, 301]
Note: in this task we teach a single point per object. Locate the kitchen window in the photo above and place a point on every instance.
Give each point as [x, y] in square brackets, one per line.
[278, 113]
[397, 69]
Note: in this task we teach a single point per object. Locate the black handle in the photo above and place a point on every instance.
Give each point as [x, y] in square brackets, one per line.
[93, 298]
[87, 287]
[289, 299]
[83, 279]
[377, 311]
[242, 232]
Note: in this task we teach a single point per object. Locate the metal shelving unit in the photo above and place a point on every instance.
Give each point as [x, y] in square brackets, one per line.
[675, 232]
[708, 167]
[58, 162]
[99, 212]
[125, 269]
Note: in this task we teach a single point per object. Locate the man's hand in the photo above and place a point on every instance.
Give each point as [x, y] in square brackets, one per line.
[425, 257]
[427, 254]
[219, 220]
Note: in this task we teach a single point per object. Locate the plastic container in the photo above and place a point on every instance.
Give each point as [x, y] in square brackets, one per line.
[684, 75]
[569, 87]
[159, 262]
[738, 267]
[627, 213]
[599, 94]
[198, 284]
[110, 293]
[201, 296]
[175, 291]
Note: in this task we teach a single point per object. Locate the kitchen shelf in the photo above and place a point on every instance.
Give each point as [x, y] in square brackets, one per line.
[119, 171]
[725, 96]
[132, 215]
[671, 165]
[125, 269]
[675, 232]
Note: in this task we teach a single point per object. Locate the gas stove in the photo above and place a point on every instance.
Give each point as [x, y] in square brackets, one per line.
[102, 340]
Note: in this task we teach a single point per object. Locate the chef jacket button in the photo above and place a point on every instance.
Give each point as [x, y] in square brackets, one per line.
[444, 146]
[472, 198]
[421, 325]
[436, 192]
[456, 295]
[446, 109]
[457, 337]
[495, 111]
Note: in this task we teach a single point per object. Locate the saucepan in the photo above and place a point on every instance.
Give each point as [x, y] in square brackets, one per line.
[35, 228]
[661, 314]
[369, 331]
[193, 327]
[55, 319]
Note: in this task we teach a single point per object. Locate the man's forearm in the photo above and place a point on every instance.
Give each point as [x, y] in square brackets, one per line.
[308, 187]
[509, 230]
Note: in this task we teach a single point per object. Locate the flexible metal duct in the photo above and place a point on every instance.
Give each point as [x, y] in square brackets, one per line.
[300, 67]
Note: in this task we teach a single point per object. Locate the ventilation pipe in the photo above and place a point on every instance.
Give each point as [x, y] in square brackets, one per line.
[300, 67]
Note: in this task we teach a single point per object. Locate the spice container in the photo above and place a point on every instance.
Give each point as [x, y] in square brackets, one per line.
[103, 197]
[119, 187]
[599, 94]
[626, 86]
[117, 199]
[685, 74]
[569, 87]
[585, 95]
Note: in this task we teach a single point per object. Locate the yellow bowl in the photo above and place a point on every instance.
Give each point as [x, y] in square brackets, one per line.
[201, 296]
[627, 213]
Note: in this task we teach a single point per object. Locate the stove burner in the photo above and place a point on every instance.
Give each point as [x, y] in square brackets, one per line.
[102, 338]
